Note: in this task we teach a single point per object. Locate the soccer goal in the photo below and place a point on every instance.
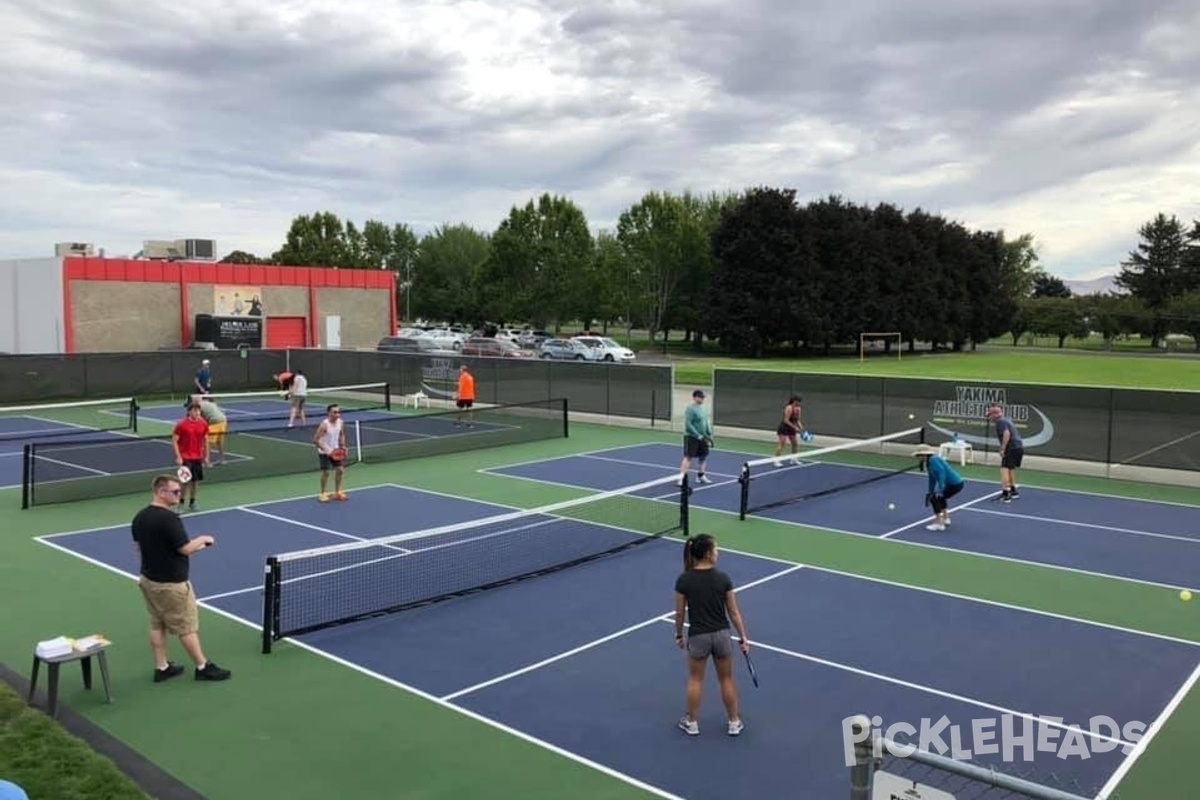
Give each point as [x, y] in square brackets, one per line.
[867, 341]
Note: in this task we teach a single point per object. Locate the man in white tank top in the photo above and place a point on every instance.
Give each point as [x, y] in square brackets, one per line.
[330, 440]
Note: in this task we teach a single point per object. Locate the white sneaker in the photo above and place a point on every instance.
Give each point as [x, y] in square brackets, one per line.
[936, 526]
[690, 727]
[778, 463]
[947, 522]
[735, 727]
[796, 460]
[704, 479]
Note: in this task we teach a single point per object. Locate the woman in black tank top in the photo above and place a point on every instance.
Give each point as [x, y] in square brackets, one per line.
[788, 429]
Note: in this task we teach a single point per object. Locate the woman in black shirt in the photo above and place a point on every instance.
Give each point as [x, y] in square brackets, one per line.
[707, 595]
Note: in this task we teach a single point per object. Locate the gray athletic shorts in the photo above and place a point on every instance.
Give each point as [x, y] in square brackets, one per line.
[717, 644]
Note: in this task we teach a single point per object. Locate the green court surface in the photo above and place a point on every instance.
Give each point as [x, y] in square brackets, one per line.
[299, 726]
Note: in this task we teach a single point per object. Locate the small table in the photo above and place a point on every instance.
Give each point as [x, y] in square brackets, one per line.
[965, 453]
[84, 657]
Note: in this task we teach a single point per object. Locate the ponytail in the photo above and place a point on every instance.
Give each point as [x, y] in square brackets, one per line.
[696, 548]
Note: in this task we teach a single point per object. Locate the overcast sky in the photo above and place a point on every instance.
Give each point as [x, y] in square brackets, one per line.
[1074, 120]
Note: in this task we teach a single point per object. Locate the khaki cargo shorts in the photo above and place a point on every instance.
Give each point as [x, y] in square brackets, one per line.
[172, 606]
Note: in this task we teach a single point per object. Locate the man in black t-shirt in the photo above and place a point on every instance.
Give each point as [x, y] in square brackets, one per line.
[165, 549]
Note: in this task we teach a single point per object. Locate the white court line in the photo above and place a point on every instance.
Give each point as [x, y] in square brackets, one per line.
[1039, 487]
[666, 468]
[909, 543]
[621, 776]
[1171, 443]
[472, 715]
[879, 676]
[206, 511]
[310, 526]
[1143, 743]
[597, 642]
[1113, 528]
[544, 460]
[911, 525]
[400, 553]
[68, 464]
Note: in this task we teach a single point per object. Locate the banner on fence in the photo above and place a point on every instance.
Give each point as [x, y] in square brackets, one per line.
[1134, 427]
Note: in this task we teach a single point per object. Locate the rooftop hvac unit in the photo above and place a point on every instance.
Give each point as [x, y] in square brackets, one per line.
[160, 248]
[73, 249]
[198, 249]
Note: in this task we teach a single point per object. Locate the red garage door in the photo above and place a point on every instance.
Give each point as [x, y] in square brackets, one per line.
[284, 332]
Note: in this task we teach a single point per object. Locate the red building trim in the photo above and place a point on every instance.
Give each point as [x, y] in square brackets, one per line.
[186, 273]
[314, 328]
[185, 309]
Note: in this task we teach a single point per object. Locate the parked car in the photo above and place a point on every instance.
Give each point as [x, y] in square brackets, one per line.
[400, 344]
[568, 349]
[493, 348]
[533, 339]
[442, 339]
[607, 348]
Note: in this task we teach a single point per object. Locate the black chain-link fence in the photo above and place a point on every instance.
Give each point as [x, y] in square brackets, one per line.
[1119, 427]
[620, 390]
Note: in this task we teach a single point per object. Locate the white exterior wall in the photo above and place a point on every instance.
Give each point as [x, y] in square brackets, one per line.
[31, 306]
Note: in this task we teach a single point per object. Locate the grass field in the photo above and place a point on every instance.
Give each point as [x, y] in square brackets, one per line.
[1023, 366]
[299, 726]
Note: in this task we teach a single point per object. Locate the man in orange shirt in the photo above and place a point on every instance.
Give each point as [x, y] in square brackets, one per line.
[466, 395]
[191, 450]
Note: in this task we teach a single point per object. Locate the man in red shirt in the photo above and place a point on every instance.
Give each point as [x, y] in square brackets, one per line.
[191, 449]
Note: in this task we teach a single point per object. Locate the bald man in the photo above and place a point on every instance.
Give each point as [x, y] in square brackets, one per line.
[1012, 450]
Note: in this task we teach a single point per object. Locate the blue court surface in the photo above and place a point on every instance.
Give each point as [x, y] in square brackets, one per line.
[17, 431]
[583, 660]
[70, 452]
[1139, 540]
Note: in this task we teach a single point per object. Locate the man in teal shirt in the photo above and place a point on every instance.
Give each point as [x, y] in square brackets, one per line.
[697, 438]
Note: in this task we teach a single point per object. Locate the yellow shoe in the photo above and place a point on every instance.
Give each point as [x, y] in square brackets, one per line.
[323, 497]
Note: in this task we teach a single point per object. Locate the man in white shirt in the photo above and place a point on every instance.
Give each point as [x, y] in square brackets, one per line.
[297, 394]
[330, 440]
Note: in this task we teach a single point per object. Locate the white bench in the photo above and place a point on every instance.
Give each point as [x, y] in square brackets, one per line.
[415, 399]
[965, 454]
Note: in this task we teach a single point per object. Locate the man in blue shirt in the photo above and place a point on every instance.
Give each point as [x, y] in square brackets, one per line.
[1012, 450]
[697, 438]
[203, 378]
[944, 483]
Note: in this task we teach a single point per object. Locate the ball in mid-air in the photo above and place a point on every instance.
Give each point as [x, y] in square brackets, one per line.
[912, 416]
[1185, 595]
[891, 506]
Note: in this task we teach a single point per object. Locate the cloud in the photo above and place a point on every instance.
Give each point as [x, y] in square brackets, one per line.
[1074, 120]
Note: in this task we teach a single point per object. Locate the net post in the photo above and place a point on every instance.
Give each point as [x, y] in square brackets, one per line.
[860, 772]
[387, 396]
[270, 620]
[566, 419]
[653, 406]
[744, 480]
[685, 509]
[133, 413]
[26, 475]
